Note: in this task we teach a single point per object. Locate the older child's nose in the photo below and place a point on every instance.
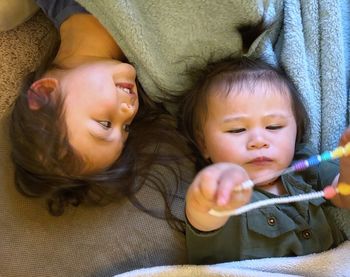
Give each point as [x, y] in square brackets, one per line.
[127, 109]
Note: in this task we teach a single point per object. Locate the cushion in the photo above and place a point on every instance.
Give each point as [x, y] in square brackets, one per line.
[15, 12]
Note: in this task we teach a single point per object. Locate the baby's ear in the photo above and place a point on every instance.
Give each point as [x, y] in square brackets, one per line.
[201, 144]
[40, 91]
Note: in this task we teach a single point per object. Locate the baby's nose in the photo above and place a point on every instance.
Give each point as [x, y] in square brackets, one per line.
[257, 141]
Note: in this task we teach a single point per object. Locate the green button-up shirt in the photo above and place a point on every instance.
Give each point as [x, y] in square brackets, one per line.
[294, 229]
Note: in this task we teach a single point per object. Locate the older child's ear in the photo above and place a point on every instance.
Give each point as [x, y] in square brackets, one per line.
[40, 91]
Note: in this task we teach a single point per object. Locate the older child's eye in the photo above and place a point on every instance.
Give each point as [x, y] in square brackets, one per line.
[126, 128]
[105, 124]
[274, 127]
[236, 131]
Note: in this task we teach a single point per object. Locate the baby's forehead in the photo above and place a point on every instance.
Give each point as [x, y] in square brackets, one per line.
[252, 88]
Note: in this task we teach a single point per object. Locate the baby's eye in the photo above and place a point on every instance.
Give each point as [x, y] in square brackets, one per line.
[274, 127]
[126, 128]
[105, 124]
[236, 131]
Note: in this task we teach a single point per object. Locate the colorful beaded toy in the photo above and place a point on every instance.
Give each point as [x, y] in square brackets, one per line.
[328, 192]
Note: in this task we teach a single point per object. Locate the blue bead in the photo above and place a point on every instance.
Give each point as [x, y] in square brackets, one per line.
[314, 160]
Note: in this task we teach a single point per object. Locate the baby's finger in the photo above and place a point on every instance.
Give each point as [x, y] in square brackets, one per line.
[202, 192]
[208, 184]
[198, 202]
[239, 199]
[230, 184]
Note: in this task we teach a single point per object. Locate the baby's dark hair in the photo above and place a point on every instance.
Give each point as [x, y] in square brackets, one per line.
[223, 75]
[46, 165]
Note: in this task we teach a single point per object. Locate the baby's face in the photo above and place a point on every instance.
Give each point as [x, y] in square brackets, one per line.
[255, 129]
[100, 102]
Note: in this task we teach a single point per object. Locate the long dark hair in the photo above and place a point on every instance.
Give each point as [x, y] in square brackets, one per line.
[47, 166]
[227, 73]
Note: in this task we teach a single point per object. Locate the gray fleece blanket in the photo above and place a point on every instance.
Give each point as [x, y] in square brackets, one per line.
[311, 39]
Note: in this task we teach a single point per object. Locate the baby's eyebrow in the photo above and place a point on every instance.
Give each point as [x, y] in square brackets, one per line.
[278, 115]
[234, 118]
[238, 118]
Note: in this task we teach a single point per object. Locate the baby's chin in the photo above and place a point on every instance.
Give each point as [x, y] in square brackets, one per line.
[265, 177]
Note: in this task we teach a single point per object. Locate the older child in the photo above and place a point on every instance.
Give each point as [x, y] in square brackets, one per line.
[70, 127]
[245, 118]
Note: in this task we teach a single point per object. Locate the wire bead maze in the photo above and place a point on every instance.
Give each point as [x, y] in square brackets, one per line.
[328, 192]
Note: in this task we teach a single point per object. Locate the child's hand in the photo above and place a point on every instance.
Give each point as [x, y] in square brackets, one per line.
[343, 201]
[215, 187]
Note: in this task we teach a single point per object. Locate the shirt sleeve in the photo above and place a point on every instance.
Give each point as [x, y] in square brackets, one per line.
[59, 10]
[222, 245]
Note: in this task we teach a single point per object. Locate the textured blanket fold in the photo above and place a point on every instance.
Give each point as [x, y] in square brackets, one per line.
[311, 40]
[315, 45]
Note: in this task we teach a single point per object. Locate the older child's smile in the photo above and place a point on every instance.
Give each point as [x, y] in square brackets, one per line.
[126, 87]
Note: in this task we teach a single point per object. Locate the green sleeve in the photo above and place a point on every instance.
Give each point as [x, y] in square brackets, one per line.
[221, 245]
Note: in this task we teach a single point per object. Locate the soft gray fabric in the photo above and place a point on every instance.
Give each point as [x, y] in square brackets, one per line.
[165, 38]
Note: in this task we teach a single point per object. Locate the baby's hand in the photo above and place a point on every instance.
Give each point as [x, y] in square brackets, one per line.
[216, 187]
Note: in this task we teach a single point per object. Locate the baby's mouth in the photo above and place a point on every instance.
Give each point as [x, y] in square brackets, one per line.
[262, 160]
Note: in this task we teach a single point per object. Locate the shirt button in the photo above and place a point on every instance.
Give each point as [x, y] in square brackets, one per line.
[271, 221]
[306, 234]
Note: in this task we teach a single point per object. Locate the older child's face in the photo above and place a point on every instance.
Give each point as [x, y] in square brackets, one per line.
[100, 102]
[255, 129]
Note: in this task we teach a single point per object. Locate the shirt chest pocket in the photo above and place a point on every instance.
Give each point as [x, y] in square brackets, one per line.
[266, 232]
[268, 222]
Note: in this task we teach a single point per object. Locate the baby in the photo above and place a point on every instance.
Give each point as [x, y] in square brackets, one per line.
[246, 119]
